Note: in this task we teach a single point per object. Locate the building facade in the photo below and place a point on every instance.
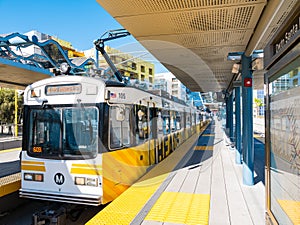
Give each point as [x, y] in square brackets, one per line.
[169, 83]
[67, 46]
[139, 72]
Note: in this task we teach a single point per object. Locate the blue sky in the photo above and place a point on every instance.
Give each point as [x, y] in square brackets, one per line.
[80, 22]
[77, 21]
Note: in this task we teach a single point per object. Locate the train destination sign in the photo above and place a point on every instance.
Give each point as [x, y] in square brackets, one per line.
[65, 89]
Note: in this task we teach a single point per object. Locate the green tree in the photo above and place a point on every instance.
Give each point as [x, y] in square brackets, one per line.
[7, 105]
[258, 102]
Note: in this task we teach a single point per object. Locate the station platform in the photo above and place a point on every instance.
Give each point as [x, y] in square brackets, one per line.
[10, 176]
[199, 183]
[10, 142]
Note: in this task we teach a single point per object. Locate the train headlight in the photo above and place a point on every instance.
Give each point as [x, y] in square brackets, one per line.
[34, 177]
[80, 180]
[86, 181]
[39, 177]
[92, 182]
[28, 176]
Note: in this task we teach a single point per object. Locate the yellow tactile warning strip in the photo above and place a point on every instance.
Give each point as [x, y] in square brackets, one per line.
[204, 147]
[10, 184]
[126, 207]
[292, 209]
[10, 150]
[182, 208]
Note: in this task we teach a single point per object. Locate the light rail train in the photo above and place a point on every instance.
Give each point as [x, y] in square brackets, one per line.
[86, 140]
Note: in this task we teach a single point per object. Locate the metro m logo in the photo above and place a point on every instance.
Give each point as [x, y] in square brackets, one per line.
[59, 178]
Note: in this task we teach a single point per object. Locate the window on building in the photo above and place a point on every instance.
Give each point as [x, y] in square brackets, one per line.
[143, 69]
[113, 58]
[150, 71]
[134, 76]
[133, 66]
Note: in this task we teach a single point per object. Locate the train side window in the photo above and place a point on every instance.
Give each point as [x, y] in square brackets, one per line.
[153, 123]
[198, 117]
[188, 119]
[160, 123]
[181, 118]
[178, 121]
[193, 119]
[141, 114]
[173, 121]
[166, 121]
[119, 127]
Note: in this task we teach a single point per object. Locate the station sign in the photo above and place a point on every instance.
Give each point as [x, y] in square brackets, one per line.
[288, 35]
[284, 39]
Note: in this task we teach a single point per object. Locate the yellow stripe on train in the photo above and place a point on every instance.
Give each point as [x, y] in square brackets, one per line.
[33, 162]
[86, 169]
[33, 166]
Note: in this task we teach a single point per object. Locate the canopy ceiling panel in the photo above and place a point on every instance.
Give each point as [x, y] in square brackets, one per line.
[192, 38]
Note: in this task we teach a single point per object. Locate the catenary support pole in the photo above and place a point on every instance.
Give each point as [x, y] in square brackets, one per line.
[238, 134]
[230, 116]
[247, 128]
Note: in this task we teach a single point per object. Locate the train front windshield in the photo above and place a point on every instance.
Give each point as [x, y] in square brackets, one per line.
[63, 132]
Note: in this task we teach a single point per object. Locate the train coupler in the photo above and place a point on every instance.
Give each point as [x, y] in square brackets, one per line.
[53, 216]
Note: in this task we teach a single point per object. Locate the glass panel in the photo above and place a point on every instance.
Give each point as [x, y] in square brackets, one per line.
[119, 127]
[115, 129]
[45, 132]
[285, 82]
[142, 123]
[285, 144]
[173, 121]
[188, 119]
[126, 128]
[80, 131]
[166, 121]
[63, 132]
[178, 120]
[160, 124]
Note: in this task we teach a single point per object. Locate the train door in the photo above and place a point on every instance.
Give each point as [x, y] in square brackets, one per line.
[144, 133]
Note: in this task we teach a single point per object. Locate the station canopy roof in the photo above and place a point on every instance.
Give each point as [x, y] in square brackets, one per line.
[192, 38]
